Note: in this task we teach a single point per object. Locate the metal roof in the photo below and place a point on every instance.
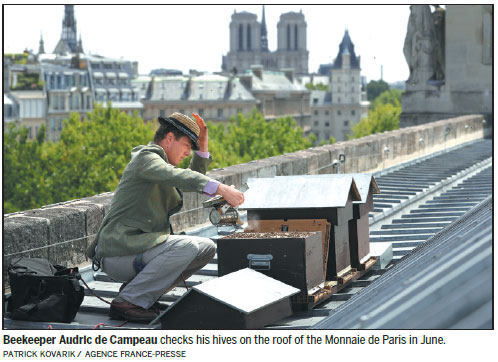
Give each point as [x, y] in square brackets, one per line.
[444, 283]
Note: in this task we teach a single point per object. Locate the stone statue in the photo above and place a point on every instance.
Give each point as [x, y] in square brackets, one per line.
[439, 42]
[419, 45]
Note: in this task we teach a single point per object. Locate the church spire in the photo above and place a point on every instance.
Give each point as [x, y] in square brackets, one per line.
[41, 47]
[80, 46]
[68, 41]
[264, 33]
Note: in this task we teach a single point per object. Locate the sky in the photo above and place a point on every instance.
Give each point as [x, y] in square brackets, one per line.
[188, 37]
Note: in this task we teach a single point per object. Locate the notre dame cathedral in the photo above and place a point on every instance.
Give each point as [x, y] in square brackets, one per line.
[249, 43]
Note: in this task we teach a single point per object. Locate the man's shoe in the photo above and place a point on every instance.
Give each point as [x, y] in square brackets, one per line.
[160, 306]
[121, 309]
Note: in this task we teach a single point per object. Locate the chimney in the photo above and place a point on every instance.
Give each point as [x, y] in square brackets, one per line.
[289, 73]
[246, 80]
[257, 70]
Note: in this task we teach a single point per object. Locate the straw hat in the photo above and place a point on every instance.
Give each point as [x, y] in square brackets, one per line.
[184, 124]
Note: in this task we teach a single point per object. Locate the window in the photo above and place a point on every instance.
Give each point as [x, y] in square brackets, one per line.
[346, 123]
[327, 124]
[241, 37]
[76, 101]
[201, 112]
[55, 102]
[220, 112]
[52, 124]
[327, 112]
[59, 121]
[88, 104]
[353, 112]
[315, 100]
[70, 101]
[30, 132]
[316, 123]
[295, 37]
[249, 45]
[339, 113]
[161, 113]
[315, 113]
[288, 37]
[339, 99]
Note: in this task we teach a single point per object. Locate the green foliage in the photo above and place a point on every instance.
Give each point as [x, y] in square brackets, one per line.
[382, 116]
[89, 159]
[252, 138]
[391, 96]
[375, 88]
[28, 81]
[25, 170]
[318, 86]
[21, 58]
[385, 117]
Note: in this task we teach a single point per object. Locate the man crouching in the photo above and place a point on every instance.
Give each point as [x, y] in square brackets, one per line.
[135, 244]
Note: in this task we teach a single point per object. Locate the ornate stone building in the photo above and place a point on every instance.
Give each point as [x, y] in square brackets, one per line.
[249, 43]
[212, 96]
[449, 54]
[335, 111]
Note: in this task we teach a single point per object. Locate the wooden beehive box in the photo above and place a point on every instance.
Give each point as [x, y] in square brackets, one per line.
[245, 299]
[359, 227]
[294, 258]
[287, 198]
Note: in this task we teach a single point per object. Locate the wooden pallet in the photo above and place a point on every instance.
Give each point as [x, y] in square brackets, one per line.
[331, 287]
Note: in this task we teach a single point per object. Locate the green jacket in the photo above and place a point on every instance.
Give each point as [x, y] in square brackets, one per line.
[149, 192]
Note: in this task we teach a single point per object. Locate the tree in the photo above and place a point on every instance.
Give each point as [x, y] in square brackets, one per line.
[318, 86]
[375, 88]
[252, 138]
[89, 158]
[91, 155]
[385, 117]
[382, 116]
[391, 96]
[25, 171]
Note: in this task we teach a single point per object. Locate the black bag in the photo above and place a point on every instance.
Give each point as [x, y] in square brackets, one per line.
[43, 292]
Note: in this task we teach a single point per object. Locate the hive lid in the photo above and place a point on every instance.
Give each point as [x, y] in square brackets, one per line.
[297, 192]
[365, 182]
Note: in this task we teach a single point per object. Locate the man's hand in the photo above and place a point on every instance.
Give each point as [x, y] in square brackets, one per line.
[233, 196]
[203, 136]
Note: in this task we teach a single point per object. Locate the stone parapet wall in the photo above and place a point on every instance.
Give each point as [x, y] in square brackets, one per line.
[61, 232]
